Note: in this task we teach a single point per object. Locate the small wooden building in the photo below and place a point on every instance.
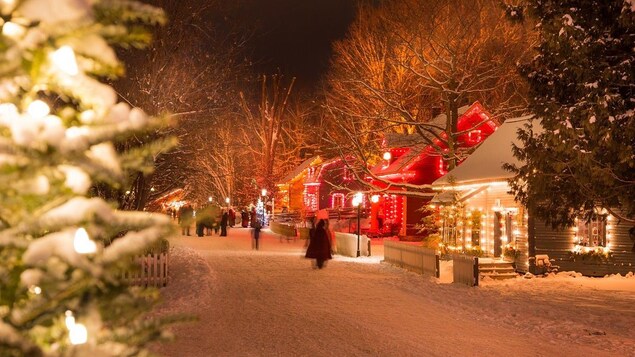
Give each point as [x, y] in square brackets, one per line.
[290, 195]
[484, 216]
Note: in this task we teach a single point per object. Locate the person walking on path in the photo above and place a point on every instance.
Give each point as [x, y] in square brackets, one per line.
[319, 245]
[223, 224]
[186, 216]
[255, 233]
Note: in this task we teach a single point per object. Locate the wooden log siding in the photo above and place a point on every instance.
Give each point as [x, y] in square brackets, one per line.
[558, 244]
[415, 258]
[153, 271]
[465, 269]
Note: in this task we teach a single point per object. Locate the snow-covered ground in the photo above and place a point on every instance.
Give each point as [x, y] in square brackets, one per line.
[273, 303]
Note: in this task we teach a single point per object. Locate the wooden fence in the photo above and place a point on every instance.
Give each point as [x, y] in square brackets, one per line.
[153, 271]
[465, 269]
[419, 259]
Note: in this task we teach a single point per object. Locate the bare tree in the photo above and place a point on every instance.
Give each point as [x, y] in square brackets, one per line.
[276, 130]
[403, 61]
[191, 72]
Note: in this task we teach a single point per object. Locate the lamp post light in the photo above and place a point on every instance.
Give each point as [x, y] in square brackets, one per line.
[209, 199]
[227, 201]
[357, 202]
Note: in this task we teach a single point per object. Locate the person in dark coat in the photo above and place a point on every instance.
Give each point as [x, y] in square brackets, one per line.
[320, 245]
[223, 224]
[232, 217]
[186, 216]
[245, 218]
[255, 235]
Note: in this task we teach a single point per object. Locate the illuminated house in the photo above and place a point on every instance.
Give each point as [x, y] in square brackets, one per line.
[291, 187]
[494, 223]
[408, 159]
[328, 186]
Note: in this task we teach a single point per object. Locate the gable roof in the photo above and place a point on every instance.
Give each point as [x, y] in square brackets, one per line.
[485, 164]
[419, 145]
[291, 176]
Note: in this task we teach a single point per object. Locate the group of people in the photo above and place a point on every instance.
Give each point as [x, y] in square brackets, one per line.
[211, 217]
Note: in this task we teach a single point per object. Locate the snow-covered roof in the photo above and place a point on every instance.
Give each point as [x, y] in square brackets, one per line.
[486, 162]
[396, 140]
[298, 170]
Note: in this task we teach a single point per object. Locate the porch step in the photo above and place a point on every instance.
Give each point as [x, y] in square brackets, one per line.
[497, 270]
[499, 276]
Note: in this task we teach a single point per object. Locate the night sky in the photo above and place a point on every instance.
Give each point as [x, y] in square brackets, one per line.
[295, 36]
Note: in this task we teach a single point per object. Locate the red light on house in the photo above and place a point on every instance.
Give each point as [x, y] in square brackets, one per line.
[441, 166]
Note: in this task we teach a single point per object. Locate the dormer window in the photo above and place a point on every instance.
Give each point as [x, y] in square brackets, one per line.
[475, 136]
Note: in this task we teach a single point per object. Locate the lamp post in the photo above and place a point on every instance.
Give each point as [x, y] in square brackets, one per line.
[357, 202]
[263, 193]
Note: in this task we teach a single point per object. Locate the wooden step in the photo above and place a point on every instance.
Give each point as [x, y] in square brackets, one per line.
[502, 276]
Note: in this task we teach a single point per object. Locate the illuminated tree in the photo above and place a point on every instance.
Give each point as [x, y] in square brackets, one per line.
[63, 252]
[191, 71]
[404, 62]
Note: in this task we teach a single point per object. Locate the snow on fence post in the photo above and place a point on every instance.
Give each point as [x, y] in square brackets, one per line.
[416, 258]
[465, 269]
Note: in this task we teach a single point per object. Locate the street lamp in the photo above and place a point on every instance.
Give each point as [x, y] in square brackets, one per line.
[227, 201]
[209, 199]
[357, 202]
[264, 206]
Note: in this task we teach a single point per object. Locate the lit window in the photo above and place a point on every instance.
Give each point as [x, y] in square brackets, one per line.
[337, 200]
[475, 136]
[592, 233]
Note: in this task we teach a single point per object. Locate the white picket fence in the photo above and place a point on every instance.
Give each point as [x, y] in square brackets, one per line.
[465, 269]
[418, 259]
[153, 271]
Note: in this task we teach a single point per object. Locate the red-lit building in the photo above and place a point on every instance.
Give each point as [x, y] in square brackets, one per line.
[409, 159]
[328, 184]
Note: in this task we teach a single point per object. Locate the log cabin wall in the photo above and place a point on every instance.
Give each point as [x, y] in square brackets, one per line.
[558, 245]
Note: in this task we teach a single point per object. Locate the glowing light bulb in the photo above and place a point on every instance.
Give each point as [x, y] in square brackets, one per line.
[34, 289]
[78, 334]
[70, 320]
[387, 156]
[13, 30]
[82, 243]
[375, 198]
[64, 59]
[38, 109]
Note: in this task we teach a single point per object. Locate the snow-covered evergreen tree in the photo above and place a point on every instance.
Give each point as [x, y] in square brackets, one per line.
[62, 252]
[261, 215]
[582, 92]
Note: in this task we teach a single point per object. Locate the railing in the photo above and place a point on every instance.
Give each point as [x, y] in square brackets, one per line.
[465, 269]
[286, 230]
[153, 270]
[415, 258]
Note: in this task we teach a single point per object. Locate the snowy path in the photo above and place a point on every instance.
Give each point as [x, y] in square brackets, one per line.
[272, 303]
